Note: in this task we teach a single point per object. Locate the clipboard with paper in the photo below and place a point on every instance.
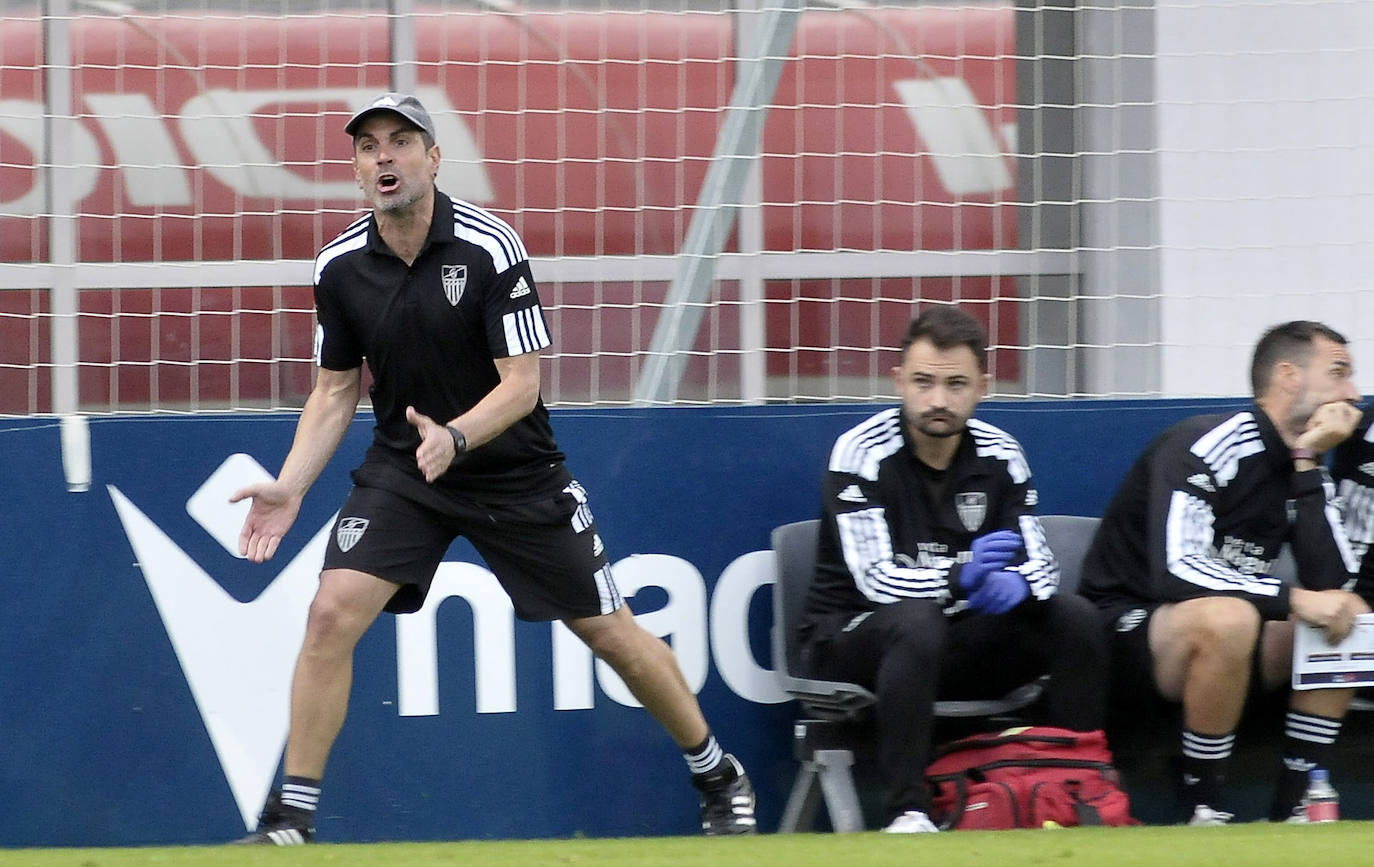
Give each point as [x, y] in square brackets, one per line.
[1319, 665]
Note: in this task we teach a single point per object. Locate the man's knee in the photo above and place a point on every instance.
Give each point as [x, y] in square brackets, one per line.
[345, 605]
[910, 617]
[1078, 620]
[612, 637]
[1219, 630]
[1220, 624]
[333, 620]
[1072, 611]
[914, 629]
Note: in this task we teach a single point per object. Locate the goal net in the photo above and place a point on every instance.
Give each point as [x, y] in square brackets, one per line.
[724, 202]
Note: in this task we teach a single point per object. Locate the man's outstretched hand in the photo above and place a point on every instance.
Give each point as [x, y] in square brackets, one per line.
[272, 513]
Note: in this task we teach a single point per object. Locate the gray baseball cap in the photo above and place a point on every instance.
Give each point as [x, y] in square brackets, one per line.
[403, 104]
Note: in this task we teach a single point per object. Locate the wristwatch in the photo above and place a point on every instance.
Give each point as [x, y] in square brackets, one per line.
[460, 442]
[1303, 455]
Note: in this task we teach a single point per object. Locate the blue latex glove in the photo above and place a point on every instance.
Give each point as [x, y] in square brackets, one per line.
[1001, 592]
[990, 552]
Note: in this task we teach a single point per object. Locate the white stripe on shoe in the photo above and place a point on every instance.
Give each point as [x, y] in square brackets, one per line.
[287, 837]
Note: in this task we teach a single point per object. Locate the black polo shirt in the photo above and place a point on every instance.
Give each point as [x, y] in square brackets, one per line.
[429, 333]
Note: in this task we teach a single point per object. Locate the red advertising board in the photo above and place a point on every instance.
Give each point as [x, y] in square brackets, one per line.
[210, 138]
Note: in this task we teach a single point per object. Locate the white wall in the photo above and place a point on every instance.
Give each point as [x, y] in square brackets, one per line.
[1266, 180]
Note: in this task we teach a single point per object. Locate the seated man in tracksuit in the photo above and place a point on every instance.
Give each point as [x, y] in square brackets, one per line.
[1180, 566]
[933, 577]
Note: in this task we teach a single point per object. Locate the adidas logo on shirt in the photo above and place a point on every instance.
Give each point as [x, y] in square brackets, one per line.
[521, 289]
[1368, 468]
[1201, 481]
[852, 494]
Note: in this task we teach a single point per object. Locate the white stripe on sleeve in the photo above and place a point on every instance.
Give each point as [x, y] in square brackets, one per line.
[1040, 570]
[1188, 551]
[867, 546]
[525, 331]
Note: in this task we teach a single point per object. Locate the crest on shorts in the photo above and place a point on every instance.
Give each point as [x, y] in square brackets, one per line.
[455, 278]
[350, 531]
[972, 508]
[1131, 619]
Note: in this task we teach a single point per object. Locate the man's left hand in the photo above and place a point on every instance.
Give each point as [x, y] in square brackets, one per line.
[436, 452]
[1000, 592]
[987, 554]
[1330, 425]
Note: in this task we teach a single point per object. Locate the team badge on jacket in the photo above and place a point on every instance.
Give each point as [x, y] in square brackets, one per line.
[455, 279]
[972, 508]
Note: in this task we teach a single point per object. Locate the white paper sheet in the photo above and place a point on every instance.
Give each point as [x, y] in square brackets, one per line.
[1318, 665]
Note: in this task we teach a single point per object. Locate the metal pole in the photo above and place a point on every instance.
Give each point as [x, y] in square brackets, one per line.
[404, 62]
[58, 134]
[58, 137]
[736, 151]
[753, 326]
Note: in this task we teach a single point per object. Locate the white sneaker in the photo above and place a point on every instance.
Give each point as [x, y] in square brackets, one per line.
[911, 822]
[1298, 816]
[1205, 816]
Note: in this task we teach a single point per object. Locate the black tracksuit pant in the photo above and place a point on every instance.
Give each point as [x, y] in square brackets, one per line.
[909, 654]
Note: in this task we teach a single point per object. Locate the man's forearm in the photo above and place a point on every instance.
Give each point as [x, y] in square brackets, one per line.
[1323, 553]
[320, 429]
[514, 397]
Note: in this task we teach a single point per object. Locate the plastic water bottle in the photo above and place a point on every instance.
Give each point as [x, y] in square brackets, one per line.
[1321, 800]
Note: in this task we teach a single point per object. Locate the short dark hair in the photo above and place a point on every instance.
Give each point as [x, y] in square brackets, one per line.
[1288, 341]
[946, 327]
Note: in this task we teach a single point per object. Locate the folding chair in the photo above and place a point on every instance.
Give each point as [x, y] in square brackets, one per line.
[836, 721]
[1069, 537]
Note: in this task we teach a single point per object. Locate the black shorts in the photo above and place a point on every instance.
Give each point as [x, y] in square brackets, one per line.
[1133, 665]
[546, 552]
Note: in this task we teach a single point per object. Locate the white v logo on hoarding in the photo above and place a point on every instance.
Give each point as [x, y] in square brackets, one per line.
[237, 656]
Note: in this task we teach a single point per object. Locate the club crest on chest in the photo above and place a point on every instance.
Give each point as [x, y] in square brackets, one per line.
[455, 280]
[972, 507]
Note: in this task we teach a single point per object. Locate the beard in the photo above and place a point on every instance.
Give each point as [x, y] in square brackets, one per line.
[393, 204]
[1301, 414]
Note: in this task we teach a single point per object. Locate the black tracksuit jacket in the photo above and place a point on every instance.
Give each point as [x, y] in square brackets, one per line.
[886, 536]
[1204, 511]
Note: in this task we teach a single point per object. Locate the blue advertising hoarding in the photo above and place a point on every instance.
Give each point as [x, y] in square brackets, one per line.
[144, 669]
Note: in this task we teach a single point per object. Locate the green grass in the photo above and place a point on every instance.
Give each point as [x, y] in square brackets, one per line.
[1259, 843]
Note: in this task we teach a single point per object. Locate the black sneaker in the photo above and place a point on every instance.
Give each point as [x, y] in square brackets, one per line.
[727, 800]
[280, 825]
